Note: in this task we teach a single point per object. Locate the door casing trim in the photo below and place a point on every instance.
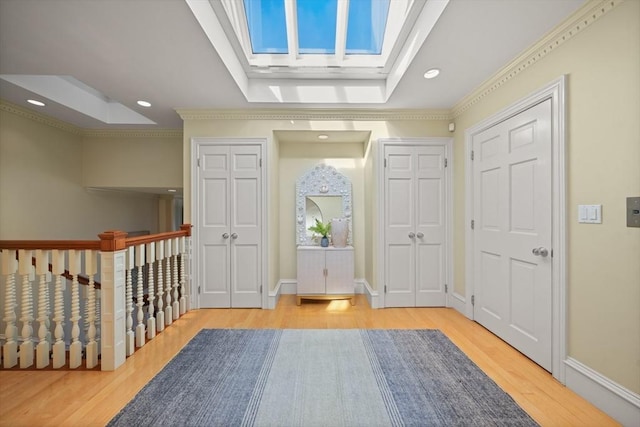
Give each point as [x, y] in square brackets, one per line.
[555, 91]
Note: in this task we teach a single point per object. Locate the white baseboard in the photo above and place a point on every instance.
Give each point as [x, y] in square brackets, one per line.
[458, 303]
[372, 295]
[618, 402]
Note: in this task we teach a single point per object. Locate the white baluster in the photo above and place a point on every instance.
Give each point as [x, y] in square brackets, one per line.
[91, 268]
[168, 310]
[140, 329]
[26, 316]
[131, 336]
[75, 349]
[160, 313]
[183, 299]
[42, 349]
[151, 320]
[57, 268]
[176, 281]
[10, 348]
[98, 317]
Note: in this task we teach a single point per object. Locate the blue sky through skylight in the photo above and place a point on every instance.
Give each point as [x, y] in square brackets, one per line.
[317, 26]
[316, 23]
[366, 25]
[267, 25]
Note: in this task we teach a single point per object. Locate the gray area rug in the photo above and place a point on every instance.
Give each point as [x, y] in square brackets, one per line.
[346, 377]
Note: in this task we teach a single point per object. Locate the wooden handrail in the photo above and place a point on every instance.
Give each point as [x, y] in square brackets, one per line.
[151, 238]
[50, 244]
[112, 240]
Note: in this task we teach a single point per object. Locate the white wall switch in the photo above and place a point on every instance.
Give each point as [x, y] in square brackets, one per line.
[590, 214]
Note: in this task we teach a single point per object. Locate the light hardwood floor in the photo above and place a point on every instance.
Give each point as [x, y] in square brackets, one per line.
[92, 398]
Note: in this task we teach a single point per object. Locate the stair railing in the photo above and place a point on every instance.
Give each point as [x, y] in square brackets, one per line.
[125, 268]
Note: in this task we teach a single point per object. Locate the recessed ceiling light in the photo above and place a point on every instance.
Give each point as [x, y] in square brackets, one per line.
[34, 102]
[323, 136]
[144, 103]
[171, 190]
[431, 73]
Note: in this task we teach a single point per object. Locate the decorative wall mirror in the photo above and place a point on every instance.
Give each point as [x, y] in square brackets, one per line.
[322, 193]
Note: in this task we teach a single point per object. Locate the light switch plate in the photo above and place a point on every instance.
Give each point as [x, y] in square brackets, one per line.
[590, 214]
[633, 211]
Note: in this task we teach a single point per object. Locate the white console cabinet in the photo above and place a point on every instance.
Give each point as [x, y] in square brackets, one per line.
[325, 273]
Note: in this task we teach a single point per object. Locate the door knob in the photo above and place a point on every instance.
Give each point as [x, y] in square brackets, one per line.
[412, 234]
[234, 235]
[543, 252]
[225, 235]
[420, 235]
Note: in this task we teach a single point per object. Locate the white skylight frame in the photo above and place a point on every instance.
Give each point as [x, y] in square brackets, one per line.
[314, 84]
[400, 11]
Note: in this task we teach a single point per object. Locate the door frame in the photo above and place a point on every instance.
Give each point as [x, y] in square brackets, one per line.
[196, 143]
[447, 143]
[555, 91]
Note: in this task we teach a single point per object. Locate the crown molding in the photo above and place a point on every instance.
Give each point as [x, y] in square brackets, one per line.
[315, 114]
[575, 24]
[75, 130]
[40, 118]
[132, 133]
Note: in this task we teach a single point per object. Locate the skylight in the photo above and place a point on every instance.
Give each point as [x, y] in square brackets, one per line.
[365, 28]
[316, 26]
[267, 25]
[346, 51]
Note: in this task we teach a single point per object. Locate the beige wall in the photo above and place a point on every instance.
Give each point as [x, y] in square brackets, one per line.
[294, 160]
[41, 192]
[138, 162]
[603, 167]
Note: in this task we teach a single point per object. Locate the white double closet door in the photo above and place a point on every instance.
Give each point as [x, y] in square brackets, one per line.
[229, 226]
[415, 225]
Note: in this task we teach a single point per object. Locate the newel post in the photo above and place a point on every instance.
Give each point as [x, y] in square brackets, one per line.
[113, 316]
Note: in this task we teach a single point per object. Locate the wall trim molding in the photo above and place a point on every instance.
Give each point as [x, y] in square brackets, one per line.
[457, 302]
[617, 401]
[133, 133]
[40, 118]
[372, 295]
[314, 114]
[75, 130]
[575, 24]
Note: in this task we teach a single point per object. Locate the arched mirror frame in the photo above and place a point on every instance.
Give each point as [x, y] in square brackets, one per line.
[323, 180]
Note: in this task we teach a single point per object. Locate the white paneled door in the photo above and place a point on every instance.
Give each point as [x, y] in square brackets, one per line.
[512, 208]
[415, 226]
[229, 226]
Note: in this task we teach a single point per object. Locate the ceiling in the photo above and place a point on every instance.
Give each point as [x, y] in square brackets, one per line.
[157, 51]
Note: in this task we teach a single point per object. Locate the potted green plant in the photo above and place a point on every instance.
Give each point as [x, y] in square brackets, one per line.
[323, 230]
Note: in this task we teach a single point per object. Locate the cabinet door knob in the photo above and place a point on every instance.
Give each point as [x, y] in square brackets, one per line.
[234, 235]
[225, 235]
[420, 235]
[412, 234]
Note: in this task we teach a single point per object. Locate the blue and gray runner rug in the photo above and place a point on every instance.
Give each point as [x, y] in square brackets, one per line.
[345, 377]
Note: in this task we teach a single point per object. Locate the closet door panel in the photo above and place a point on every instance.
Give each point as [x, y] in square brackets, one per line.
[246, 227]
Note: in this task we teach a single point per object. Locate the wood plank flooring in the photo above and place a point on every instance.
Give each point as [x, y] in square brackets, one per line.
[90, 398]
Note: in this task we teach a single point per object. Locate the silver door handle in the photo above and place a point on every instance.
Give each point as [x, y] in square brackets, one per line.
[420, 235]
[225, 235]
[543, 252]
[412, 234]
[234, 235]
